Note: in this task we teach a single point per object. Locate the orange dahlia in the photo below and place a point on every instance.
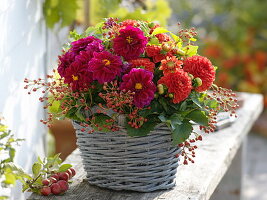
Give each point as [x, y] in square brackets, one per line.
[178, 83]
[200, 67]
[170, 64]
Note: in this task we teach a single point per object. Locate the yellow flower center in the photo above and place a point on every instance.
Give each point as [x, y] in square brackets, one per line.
[170, 64]
[75, 78]
[106, 62]
[138, 86]
[129, 39]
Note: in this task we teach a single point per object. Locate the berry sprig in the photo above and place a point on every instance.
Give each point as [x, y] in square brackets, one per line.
[57, 183]
[188, 148]
[49, 177]
[226, 101]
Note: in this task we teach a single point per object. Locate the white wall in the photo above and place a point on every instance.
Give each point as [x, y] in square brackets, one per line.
[22, 54]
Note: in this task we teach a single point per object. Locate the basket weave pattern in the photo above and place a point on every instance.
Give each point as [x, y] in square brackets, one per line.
[117, 161]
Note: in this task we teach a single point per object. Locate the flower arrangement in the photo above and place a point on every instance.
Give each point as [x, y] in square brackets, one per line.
[141, 71]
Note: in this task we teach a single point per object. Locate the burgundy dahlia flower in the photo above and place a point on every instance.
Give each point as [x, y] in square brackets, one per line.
[64, 62]
[202, 68]
[78, 76]
[130, 43]
[82, 44]
[89, 44]
[140, 82]
[105, 66]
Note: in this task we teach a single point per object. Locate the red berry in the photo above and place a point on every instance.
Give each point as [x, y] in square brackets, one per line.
[55, 176]
[53, 180]
[69, 173]
[45, 182]
[64, 176]
[45, 191]
[55, 188]
[63, 185]
[73, 172]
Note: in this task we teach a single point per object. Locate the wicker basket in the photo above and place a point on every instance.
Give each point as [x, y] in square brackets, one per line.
[117, 161]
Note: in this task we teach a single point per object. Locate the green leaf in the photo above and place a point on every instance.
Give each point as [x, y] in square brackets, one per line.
[40, 160]
[195, 98]
[10, 179]
[162, 118]
[199, 117]
[4, 135]
[175, 37]
[36, 168]
[176, 119]
[183, 105]
[100, 119]
[143, 130]
[159, 30]
[163, 102]
[191, 50]
[181, 132]
[12, 152]
[154, 41]
[79, 114]
[64, 167]
[16, 169]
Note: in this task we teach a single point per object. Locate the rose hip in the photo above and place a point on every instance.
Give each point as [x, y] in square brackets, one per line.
[73, 172]
[46, 182]
[69, 173]
[45, 191]
[55, 176]
[55, 188]
[53, 180]
[64, 176]
[63, 185]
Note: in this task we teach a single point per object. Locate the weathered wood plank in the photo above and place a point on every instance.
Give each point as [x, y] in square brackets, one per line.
[194, 182]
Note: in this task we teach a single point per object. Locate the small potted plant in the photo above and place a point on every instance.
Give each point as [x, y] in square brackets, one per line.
[134, 90]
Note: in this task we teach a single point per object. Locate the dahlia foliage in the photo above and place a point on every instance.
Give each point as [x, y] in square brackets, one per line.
[141, 71]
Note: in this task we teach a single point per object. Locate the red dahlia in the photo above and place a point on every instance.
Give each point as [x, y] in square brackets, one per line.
[143, 63]
[202, 68]
[178, 83]
[155, 52]
[170, 65]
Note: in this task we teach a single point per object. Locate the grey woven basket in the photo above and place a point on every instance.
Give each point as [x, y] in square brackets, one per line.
[117, 161]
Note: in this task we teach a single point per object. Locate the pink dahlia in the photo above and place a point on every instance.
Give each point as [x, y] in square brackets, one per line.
[130, 43]
[178, 83]
[202, 68]
[82, 44]
[105, 66]
[78, 76]
[140, 82]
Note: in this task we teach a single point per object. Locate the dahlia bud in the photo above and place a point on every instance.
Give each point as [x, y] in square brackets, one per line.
[171, 95]
[179, 52]
[197, 82]
[151, 24]
[160, 88]
[166, 47]
[191, 76]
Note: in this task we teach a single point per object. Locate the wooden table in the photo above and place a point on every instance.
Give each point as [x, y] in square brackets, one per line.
[194, 181]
